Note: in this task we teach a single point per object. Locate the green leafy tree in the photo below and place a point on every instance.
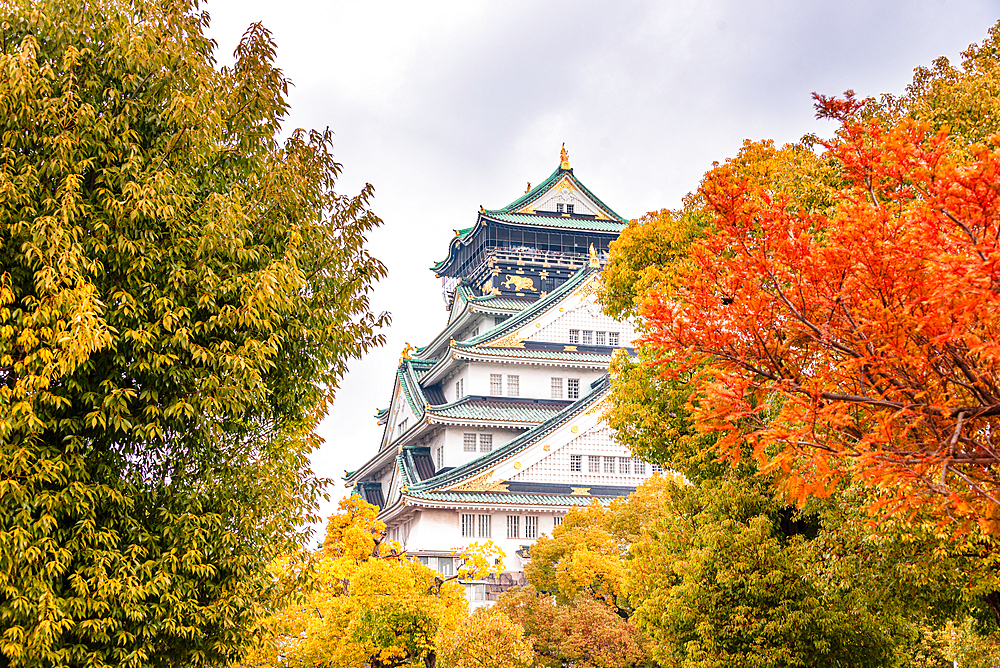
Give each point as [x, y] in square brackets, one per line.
[179, 294]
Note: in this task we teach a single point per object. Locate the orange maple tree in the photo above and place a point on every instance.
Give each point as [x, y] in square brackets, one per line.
[860, 340]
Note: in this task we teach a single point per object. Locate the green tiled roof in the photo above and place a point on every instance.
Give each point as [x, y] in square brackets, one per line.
[497, 410]
[562, 222]
[544, 186]
[506, 214]
[513, 499]
[530, 354]
[502, 303]
[409, 380]
[517, 444]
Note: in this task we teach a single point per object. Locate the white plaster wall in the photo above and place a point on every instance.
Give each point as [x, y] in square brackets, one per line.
[434, 529]
[448, 385]
[535, 381]
[454, 442]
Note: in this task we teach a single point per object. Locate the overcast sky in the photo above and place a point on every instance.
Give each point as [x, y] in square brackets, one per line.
[444, 106]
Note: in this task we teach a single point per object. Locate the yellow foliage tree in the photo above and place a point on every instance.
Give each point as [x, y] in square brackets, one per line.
[486, 639]
[360, 601]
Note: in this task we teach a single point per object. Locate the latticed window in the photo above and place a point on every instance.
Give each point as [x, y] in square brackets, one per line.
[593, 464]
[560, 208]
[497, 319]
[599, 338]
[513, 386]
[640, 467]
[496, 384]
[531, 526]
[588, 337]
[513, 526]
[557, 388]
[556, 521]
[484, 526]
[468, 526]
[609, 464]
[440, 457]
[402, 425]
[573, 388]
[624, 465]
[469, 442]
[576, 462]
[485, 442]
[656, 468]
[574, 336]
[459, 389]
[612, 338]
[569, 208]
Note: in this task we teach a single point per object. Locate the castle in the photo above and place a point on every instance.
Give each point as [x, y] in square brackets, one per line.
[494, 429]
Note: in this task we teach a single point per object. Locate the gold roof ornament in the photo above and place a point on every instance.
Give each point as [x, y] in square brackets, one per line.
[405, 355]
[482, 209]
[528, 189]
[563, 157]
[594, 262]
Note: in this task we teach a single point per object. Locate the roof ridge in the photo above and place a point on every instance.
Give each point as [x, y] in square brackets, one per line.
[541, 305]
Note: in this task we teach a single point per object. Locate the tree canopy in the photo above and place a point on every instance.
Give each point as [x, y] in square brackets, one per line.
[180, 292]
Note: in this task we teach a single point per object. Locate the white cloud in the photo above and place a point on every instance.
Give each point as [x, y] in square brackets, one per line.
[444, 106]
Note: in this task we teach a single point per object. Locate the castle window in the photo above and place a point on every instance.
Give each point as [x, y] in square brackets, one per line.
[496, 384]
[513, 526]
[468, 526]
[593, 464]
[609, 464]
[531, 526]
[612, 338]
[459, 389]
[557, 392]
[440, 457]
[469, 442]
[569, 208]
[598, 338]
[485, 442]
[446, 566]
[573, 388]
[574, 336]
[497, 319]
[556, 521]
[484, 526]
[624, 464]
[402, 425]
[640, 467]
[576, 463]
[513, 386]
[560, 208]
[588, 337]
[656, 468]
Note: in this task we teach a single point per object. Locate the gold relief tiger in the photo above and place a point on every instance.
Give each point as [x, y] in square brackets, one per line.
[518, 282]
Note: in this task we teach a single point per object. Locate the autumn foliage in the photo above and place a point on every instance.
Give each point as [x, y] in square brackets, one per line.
[858, 340]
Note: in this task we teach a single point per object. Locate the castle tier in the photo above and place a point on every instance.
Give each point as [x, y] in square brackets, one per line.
[495, 428]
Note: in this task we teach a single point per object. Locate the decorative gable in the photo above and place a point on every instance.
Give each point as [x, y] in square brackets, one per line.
[564, 192]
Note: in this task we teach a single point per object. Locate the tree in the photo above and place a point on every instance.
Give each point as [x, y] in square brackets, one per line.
[179, 295]
[584, 632]
[360, 601]
[487, 638]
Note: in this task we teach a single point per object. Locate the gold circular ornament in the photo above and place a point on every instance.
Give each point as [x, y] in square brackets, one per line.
[575, 429]
[517, 465]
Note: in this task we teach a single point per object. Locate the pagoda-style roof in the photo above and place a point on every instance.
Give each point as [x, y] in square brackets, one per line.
[537, 209]
[517, 444]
